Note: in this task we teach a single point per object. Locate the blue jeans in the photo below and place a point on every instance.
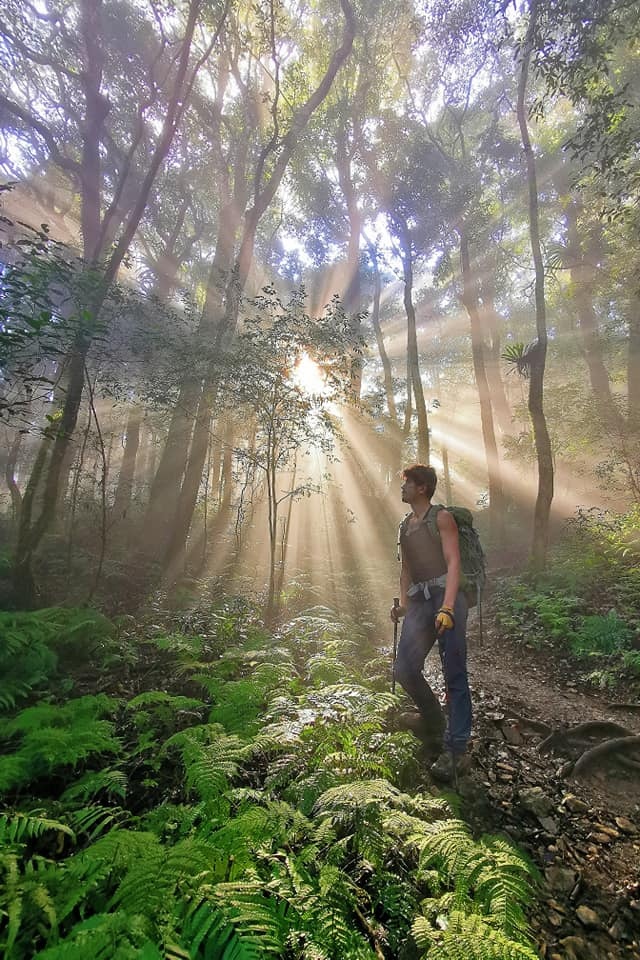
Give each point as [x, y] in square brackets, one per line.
[416, 640]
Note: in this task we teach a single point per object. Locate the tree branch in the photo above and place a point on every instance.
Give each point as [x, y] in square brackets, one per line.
[39, 127]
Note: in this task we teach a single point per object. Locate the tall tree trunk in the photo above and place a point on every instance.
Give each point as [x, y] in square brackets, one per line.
[352, 294]
[10, 474]
[470, 300]
[447, 476]
[633, 366]
[492, 323]
[375, 321]
[126, 477]
[539, 354]
[190, 408]
[582, 289]
[413, 362]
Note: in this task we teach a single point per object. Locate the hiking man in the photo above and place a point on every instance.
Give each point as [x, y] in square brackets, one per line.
[434, 608]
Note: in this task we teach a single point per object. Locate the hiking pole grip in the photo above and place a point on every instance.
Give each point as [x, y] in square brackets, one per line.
[396, 604]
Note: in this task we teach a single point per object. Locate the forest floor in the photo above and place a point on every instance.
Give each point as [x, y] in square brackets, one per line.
[583, 833]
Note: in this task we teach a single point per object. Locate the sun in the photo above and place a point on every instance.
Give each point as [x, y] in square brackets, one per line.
[309, 377]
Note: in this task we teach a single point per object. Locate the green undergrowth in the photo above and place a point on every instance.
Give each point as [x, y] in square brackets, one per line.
[233, 795]
[586, 603]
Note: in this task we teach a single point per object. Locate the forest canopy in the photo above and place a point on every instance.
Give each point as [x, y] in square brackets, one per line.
[256, 258]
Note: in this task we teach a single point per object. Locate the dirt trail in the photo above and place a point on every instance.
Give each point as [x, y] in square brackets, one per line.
[582, 832]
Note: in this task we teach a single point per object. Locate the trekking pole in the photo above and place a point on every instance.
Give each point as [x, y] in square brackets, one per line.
[396, 603]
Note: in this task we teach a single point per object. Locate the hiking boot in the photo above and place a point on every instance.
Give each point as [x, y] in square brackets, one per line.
[444, 769]
[416, 724]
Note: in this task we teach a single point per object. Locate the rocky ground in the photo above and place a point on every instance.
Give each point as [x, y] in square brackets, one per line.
[579, 819]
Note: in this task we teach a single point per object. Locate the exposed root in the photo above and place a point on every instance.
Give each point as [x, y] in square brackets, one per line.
[622, 706]
[583, 731]
[604, 749]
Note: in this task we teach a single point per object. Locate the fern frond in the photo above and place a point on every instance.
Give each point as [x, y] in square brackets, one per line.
[359, 794]
[468, 937]
[93, 820]
[111, 782]
[18, 828]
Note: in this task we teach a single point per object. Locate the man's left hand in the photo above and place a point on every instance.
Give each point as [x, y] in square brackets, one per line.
[445, 620]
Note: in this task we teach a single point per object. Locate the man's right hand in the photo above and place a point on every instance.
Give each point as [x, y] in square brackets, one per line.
[397, 613]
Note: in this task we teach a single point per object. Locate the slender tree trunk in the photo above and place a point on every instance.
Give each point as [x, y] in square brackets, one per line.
[124, 489]
[352, 294]
[492, 323]
[538, 360]
[375, 320]
[447, 476]
[470, 300]
[633, 367]
[190, 409]
[582, 285]
[10, 474]
[413, 363]
[408, 410]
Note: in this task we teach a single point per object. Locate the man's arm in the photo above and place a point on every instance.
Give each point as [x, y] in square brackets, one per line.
[448, 530]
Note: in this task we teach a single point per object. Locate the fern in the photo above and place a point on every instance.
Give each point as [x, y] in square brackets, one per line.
[489, 876]
[56, 736]
[467, 937]
[211, 759]
[110, 782]
[19, 828]
[35, 642]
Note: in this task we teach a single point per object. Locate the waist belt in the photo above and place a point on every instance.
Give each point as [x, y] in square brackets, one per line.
[423, 586]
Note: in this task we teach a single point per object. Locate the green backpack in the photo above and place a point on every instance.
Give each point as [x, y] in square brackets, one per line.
[472, 558]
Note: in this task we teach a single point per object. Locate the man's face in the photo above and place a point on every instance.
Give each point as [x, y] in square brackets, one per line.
[410, 490]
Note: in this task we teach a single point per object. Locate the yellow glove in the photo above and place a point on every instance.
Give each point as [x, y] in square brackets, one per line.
[445, 620]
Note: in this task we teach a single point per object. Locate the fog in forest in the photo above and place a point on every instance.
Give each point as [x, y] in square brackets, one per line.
[256, 258]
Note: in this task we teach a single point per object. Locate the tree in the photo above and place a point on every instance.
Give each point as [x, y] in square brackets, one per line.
[290, 419]
[41, 46]
[538, 353]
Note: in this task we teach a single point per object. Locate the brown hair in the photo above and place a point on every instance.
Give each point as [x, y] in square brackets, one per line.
[422, 476]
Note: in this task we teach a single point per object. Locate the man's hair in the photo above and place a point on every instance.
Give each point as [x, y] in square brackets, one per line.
[422, 476]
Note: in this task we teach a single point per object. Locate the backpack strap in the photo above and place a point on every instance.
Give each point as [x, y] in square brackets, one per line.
[432, 519]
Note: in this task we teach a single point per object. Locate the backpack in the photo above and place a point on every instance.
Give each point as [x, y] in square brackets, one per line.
[473, 573]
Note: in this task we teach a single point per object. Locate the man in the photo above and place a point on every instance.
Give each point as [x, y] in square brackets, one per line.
[433, 608]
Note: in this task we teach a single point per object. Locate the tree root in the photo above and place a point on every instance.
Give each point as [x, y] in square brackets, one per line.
[622, 706]
[606, 748]
[590, 728]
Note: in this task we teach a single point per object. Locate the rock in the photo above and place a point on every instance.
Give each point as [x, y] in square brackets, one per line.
[603, 828]
[556, 906]
[512, 735]
[555, 919]
[574, 804]
[575, 948]
[588, 917]
[601, 837]
[535, 801]
[626, 825]
[561, 879]
[549, 825]
[618, 931]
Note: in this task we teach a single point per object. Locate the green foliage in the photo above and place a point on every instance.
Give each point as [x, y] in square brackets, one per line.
[47, 737]
[36, 645]
[285, 827]
[586, 601]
